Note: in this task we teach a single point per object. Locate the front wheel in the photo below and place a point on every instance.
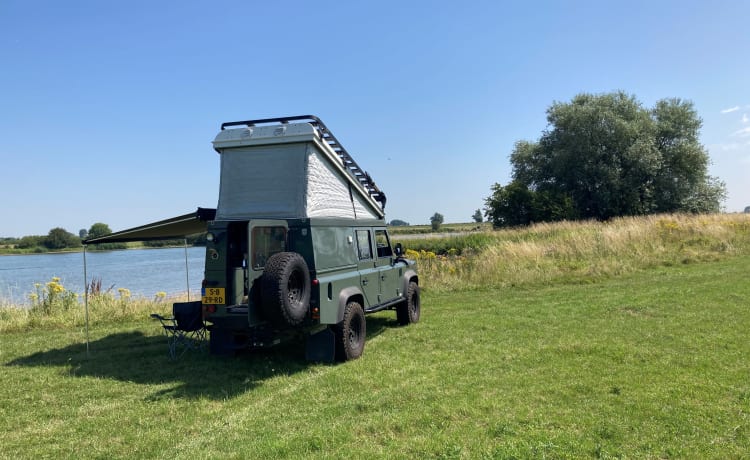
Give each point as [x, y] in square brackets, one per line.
[408, 312]
[351, 332]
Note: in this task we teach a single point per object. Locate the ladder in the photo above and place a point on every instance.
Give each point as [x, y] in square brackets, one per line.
[361, 176]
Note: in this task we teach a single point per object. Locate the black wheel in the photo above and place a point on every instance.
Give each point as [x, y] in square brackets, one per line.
[350, 333]
[408, 312]
[285, 289]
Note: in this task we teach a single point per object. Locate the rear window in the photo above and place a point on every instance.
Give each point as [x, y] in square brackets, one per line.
[265, 242]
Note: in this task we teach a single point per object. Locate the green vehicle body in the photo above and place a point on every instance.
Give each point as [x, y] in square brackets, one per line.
[297, 244]
[348, 261]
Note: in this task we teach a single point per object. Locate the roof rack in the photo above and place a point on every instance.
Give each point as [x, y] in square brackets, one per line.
[327, 136]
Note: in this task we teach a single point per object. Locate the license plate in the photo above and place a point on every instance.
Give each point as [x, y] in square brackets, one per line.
[213, 296]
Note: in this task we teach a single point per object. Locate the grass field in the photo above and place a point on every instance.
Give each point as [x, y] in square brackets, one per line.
[651, 364]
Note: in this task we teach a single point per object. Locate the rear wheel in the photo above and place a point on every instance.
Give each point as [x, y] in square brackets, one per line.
[408, 312]
[351, 333]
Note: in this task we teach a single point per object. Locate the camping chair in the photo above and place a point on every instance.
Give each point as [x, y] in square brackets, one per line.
[185, 329]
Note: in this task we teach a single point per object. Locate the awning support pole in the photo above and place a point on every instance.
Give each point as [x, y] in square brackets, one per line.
[187, 270]
[86, 298]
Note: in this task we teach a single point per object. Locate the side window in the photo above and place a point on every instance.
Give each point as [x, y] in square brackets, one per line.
[364, 247]
[384, 246]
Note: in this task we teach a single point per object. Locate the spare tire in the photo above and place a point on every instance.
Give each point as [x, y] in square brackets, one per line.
[285, 289]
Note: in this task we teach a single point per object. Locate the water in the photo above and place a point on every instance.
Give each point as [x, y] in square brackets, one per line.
[142, 271]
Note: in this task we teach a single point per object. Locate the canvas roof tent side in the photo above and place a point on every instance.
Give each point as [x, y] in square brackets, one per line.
[290, 170]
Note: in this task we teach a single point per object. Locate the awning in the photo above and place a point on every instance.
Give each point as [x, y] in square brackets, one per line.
[176, 227]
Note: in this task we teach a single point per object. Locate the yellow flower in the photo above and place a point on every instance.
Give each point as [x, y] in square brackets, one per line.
[124, 293]
[54, 287]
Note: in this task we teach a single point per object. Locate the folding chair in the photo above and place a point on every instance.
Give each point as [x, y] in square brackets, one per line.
[186, 329]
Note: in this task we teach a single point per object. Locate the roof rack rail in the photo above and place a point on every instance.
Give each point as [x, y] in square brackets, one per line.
[362, 177]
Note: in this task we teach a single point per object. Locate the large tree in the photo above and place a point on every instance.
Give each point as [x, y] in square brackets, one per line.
[606, 155]
[59, 238]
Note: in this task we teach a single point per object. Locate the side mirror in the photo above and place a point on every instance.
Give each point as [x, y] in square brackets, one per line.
[399, 249]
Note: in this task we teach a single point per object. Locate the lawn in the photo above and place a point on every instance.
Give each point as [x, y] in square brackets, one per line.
[652, 364]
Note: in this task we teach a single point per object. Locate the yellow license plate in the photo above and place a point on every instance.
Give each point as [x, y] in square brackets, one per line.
[213, 296]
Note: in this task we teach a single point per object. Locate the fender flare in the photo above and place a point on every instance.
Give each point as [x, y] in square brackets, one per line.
[345, 296]
[409, 276]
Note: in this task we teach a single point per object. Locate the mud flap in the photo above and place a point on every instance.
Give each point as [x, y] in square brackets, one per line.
[321, 346]
[221, 342]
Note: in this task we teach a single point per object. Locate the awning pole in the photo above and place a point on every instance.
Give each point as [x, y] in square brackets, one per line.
[86, 298]
[187, 270]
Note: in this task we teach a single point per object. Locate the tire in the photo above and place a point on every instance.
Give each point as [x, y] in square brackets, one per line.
[351, 333]
[408, 312]
[285, 289]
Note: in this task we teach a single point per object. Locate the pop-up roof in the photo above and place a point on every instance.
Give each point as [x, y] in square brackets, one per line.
[276, 169]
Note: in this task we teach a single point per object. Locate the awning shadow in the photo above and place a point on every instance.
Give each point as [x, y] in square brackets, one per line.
[141, 359]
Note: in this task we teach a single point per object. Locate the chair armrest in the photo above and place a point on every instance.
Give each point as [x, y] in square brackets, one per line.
[162, 319]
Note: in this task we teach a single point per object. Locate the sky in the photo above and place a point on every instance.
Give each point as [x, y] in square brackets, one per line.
[108, 109]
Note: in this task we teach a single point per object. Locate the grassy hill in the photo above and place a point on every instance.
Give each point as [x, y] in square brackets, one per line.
[626, 339]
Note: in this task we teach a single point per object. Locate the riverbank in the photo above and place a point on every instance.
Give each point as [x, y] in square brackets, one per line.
[12, 251]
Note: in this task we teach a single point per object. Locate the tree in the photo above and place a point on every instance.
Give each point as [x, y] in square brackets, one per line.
[478, 218]
[31, 241]
[515, 204]
[59, 238]
[436, 220]
[399, 223]
[83, 233]
[99, 229]
[604, 156]
[747, 210]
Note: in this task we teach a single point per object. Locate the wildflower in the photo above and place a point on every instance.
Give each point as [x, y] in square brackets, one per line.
[124, 293]
[54, 287]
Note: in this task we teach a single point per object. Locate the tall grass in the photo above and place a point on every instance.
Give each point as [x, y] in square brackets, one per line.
[577, 251]
[61, 312]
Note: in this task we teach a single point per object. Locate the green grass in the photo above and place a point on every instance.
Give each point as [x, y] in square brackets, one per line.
[651, 364]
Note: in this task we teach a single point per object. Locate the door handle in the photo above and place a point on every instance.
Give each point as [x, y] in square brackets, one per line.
[364, 282]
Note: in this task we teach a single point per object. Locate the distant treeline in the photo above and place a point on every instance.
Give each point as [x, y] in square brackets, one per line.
[59, 239]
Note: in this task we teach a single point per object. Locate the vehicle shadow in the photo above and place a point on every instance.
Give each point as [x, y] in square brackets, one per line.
[142, 359]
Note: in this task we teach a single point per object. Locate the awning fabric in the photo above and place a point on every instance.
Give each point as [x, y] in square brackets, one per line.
[176, 227]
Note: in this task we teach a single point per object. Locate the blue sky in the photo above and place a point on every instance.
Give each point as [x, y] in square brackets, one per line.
[109, 108]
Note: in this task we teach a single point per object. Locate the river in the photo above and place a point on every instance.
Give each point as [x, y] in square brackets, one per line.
[142, 271]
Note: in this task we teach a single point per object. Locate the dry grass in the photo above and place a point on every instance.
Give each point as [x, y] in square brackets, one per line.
[586, 251]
